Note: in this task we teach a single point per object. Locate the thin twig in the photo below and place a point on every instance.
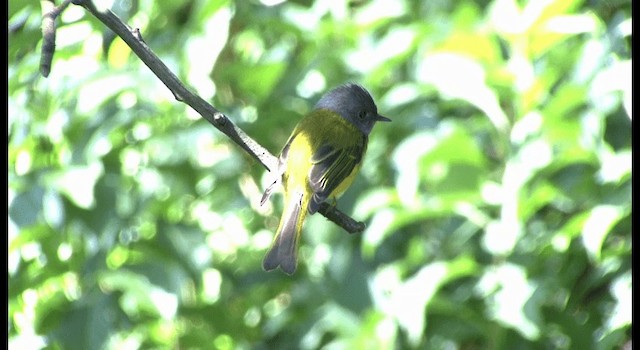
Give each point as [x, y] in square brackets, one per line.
[49, 15]
[133, 38]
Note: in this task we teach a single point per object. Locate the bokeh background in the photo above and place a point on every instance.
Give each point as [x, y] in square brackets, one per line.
[497, 202]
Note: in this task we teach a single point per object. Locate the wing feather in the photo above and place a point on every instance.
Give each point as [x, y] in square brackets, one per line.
[330, 167]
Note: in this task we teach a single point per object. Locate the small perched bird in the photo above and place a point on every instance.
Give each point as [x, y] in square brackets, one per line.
[319, 162]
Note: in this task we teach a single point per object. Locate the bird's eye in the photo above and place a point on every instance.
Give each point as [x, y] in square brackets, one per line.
[362, 114]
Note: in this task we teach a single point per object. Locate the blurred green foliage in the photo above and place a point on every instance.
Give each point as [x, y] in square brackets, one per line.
[498, 201]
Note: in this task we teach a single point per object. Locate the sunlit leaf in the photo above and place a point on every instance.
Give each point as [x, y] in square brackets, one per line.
[597, 226]
[510, 293]
[460, 77]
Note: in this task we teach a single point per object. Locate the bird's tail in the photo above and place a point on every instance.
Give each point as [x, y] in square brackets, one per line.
[284, 249]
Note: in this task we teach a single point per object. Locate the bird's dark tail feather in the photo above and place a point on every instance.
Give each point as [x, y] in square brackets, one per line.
[284, 249]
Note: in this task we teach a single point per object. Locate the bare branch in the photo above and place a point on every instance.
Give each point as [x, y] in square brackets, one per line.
[133, 39]
[341, 219]
[49, 14]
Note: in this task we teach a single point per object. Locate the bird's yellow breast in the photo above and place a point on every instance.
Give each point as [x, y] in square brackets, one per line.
[319, 128]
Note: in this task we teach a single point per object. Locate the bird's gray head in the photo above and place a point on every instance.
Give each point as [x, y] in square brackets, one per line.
[354, 104]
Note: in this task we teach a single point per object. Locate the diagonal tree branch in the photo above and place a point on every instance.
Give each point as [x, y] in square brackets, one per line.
[134, 40]
[49, 14]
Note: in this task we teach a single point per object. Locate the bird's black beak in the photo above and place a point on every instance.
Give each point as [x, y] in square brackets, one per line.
[380, 118]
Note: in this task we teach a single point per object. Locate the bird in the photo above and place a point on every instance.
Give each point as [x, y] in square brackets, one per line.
[318, 163]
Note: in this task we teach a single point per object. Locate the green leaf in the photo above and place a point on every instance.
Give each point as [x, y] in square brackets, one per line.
[598, 225]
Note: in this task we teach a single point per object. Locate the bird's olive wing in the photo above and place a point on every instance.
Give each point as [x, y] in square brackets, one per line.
[331, 165]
